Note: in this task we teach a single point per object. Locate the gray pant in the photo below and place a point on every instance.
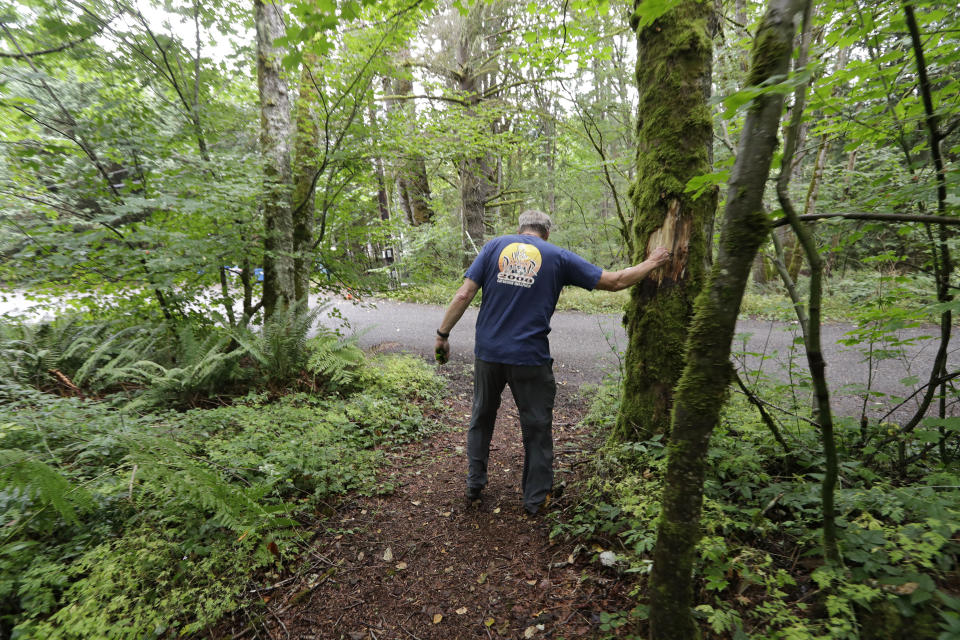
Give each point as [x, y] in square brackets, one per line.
[534, 390]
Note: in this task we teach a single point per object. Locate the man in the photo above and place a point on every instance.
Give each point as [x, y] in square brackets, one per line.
[521, 276]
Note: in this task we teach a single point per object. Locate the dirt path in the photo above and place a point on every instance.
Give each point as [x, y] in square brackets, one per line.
[421, 563]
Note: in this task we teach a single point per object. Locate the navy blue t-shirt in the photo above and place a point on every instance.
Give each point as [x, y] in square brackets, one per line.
[521, 277]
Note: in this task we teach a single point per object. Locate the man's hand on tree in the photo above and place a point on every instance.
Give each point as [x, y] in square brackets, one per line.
[659, 256]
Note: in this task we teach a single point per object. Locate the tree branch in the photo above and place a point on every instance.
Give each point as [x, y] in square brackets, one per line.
[23, 55]
[880, 217]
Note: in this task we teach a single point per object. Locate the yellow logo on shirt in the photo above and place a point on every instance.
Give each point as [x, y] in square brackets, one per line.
[519, 264]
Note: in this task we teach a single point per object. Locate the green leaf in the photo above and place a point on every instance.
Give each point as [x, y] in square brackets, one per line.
[648, 11]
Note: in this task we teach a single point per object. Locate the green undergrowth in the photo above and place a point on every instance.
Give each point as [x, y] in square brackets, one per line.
[845, 298]
[122, 518]
[759, 572]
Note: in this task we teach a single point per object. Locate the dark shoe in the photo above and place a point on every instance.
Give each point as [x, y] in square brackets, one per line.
[531, 511]
[473, 493]
[557, 492]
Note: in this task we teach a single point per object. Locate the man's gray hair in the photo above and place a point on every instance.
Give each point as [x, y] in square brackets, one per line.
[535, 220]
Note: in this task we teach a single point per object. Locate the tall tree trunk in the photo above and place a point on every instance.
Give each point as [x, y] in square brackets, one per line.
[474, 192]
[383, 204]
[674, 142]
[412, 180]
[305, 167]
[474, 167]
[703, 387]
[278, 269]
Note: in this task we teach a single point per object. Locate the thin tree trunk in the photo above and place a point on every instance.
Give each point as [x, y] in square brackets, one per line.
[703, 386]
[306, 165]
[812, 342]
[674, 142]
[382, 201]
[278, 270]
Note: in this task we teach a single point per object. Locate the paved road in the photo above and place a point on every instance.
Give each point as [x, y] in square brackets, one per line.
[587, 347]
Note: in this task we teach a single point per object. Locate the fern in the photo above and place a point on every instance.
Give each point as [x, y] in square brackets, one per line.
[21, 470]
[166, 467]
[280, 348]
[26, 354]
[206, 369]
[100, 367]
[335, 360]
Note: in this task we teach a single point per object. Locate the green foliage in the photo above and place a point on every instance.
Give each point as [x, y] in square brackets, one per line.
[334, 361]
[280, 346]
[180, 509]
[758, 572]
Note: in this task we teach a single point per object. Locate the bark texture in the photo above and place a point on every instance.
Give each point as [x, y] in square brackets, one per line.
[306, 164]
[701, 391]
[412, 181]
[474, 75]
[278, 262]
[674, 139]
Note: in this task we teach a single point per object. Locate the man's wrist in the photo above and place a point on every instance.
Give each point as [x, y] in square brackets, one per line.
[443, 335]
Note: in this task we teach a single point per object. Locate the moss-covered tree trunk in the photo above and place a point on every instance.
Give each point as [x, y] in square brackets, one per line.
[674, 140]
[701, 391]
[305, 168]
[278, 281]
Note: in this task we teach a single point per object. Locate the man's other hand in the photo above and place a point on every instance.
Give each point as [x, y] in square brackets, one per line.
[441, 350]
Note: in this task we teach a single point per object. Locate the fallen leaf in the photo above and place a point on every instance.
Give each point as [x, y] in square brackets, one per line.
[416, 503]
[489, 622]
[401, 566]
[482, 578]
[437, 617]
[497, 510]
[461, 611]
[388, 555]
[446, 514]
[360, 556]
[529, 632]
[531, 582]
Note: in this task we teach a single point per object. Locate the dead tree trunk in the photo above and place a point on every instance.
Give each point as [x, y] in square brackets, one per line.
[702, 388]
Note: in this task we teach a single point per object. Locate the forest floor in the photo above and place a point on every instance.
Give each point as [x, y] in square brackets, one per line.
[422, 563]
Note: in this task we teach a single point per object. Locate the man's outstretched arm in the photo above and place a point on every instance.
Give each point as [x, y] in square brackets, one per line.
[461, 300]
[617, 280]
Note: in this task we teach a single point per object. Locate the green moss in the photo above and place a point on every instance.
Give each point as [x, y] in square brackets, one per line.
[769, 47]
[674, 134]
